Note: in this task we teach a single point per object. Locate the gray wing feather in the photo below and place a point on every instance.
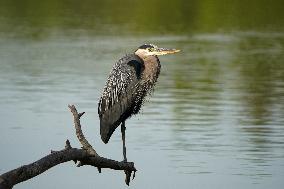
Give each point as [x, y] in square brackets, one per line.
[118, 95]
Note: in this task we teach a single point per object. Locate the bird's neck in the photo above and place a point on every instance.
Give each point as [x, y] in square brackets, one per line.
[152, 69]
[151, 66]
[141, 53]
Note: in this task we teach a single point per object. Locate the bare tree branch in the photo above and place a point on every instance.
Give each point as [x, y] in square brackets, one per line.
[86, 145]
[86, 156]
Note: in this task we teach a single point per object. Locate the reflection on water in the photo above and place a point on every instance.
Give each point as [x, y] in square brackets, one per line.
[215, 119]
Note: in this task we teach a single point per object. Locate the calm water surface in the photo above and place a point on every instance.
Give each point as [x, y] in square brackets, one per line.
[215, 120]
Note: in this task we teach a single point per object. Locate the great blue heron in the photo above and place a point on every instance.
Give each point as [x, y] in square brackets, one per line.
[130, 80]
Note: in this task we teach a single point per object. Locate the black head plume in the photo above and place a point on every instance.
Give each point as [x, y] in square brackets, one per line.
[145, 46]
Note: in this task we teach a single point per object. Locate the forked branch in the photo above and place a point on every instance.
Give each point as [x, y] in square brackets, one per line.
[85, 156]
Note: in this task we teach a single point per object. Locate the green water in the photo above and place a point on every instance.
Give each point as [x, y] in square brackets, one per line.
[216, 119]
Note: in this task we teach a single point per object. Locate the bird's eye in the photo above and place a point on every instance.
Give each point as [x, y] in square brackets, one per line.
[150, 49]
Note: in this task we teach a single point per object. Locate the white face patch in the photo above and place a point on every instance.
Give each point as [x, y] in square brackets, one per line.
[144, 52]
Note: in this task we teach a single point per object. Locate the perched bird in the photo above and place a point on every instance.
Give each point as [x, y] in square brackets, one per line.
[131, 79]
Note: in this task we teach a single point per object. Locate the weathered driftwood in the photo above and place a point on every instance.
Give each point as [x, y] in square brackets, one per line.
[85, 156]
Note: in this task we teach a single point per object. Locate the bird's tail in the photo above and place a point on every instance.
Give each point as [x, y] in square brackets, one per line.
[106, 129]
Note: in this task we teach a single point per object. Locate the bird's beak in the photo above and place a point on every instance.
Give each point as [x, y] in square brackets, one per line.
[163, 51]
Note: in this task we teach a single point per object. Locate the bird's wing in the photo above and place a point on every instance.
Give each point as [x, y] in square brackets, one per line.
[118, 95]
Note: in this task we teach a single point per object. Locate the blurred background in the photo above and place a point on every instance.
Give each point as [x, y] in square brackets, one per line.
[215, 120]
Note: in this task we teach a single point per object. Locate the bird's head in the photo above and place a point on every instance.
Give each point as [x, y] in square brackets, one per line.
[152, 50]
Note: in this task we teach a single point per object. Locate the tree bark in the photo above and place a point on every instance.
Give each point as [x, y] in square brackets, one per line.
[85, 156]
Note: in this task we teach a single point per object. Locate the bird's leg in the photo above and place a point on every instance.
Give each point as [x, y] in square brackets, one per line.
[127, 173]
[123, 128]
